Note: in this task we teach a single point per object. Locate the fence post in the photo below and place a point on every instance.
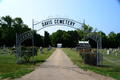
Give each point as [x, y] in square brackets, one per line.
[33, 38]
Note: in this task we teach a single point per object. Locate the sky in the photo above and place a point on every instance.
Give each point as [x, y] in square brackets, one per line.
[101, 14]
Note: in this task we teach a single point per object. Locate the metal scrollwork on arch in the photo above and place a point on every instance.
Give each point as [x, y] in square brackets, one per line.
[24, 36]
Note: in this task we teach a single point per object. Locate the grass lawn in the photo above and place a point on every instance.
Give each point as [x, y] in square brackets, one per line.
[110, 67]
[10, 69]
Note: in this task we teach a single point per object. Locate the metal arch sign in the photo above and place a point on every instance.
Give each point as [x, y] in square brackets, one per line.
[58, 21]
[24, 36]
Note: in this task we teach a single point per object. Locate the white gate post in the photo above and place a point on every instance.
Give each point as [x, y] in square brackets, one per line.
[16, 48]
[97, 53]
[84, 41]
[33, 39]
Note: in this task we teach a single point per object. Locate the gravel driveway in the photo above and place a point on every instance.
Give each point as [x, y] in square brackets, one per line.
[59, 67]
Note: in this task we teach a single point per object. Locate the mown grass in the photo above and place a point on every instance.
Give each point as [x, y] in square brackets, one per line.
[109, 67]
[10, 69]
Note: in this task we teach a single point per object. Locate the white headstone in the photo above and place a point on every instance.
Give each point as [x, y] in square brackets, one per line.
[50, 47]
[41, 50]
[116, 54]
[14, 46]
[108, 52]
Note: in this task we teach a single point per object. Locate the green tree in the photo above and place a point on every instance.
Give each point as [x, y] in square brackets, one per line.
[81, 34]
[38, 40]
[67, 38]
[112, 39]
[46, 39]
[74, 37]
[84, 29]
[19, 26]
[118, 39]
[1, 36]
[56, 37]
[6, 27]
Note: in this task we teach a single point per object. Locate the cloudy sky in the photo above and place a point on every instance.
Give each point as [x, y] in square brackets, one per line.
[101, 14]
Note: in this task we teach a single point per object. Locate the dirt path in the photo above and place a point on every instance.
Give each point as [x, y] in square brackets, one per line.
[59, 67]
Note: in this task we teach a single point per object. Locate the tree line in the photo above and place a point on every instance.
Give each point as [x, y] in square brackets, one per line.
[9, 27]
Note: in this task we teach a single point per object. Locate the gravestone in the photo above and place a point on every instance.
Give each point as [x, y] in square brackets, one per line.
[14, 46]
[116, 54]
[4, 48]
[108, 52]
[41, 50]
[50, 47]
[118, 48]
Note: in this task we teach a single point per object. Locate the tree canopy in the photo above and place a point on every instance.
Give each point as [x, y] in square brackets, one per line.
[9, 27]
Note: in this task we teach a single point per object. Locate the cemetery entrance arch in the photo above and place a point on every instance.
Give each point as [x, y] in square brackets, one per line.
[54, 22]
[19, 39]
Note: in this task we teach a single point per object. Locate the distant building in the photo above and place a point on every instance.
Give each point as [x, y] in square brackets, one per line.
[59, 45]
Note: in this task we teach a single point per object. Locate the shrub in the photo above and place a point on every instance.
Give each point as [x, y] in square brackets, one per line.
[89, 58]
[27, 54]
